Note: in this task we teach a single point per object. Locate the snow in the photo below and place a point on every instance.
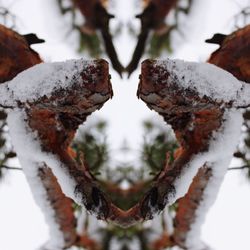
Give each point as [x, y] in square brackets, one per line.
[31, 157]
[205, 79]
[222, 144]
[168, 218]
[218, 157]
[42, 80]
[24, 147]
[31, 150]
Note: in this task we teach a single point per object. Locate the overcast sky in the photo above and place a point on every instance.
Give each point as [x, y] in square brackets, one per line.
[21, 221]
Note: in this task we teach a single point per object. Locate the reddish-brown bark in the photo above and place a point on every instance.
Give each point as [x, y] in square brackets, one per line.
[62, 206]
[163, 242]
[87, 242]
[160, 9]
[193, 119]
[67, 110]
[234, 54]
[188, 205]
[15, 54]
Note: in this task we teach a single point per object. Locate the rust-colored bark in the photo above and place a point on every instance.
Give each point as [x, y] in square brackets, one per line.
[57, 118]
[193, 119]
[63, 206]
[188, 205]
[234, 54]
[87, 242]
[15, 54]
[163, 242]
[161, 8]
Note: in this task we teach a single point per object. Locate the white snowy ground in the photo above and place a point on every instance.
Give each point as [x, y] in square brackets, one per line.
[21, 222]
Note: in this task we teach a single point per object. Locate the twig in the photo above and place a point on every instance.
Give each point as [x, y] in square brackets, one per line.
[11, 168]
[239, 168]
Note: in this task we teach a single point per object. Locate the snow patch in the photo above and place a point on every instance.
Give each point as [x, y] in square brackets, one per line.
[218, 157]
[205, 79]
[27, 146]
[221, 147]
[42, 80]
[31, 157]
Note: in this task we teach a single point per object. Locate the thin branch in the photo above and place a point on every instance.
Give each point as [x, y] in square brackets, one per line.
[239, 168]
[10, 168]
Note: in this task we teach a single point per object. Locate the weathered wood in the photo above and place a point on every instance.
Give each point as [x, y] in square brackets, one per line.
[62, 206]
[234, 54]
[15, 54]
[57, 118]
[193, 120]
[189, 204]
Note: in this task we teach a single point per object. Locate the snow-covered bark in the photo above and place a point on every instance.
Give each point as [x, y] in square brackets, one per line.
[205, 79]
[33, 163]
[45, 80]
[199, 101]
[49, 119]
[205, 186]
[222, 145]
[48, 88]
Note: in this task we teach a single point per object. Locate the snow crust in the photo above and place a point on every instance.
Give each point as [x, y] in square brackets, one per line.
[207, 80]
[42, 80]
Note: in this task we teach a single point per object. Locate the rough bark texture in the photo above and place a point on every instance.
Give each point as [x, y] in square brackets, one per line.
[193, 120]
[63, 206]
[188, 205]
[234, 54]
[57, 118]
[15, 54]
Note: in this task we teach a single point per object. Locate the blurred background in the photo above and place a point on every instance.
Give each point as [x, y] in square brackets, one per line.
[129, 137]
